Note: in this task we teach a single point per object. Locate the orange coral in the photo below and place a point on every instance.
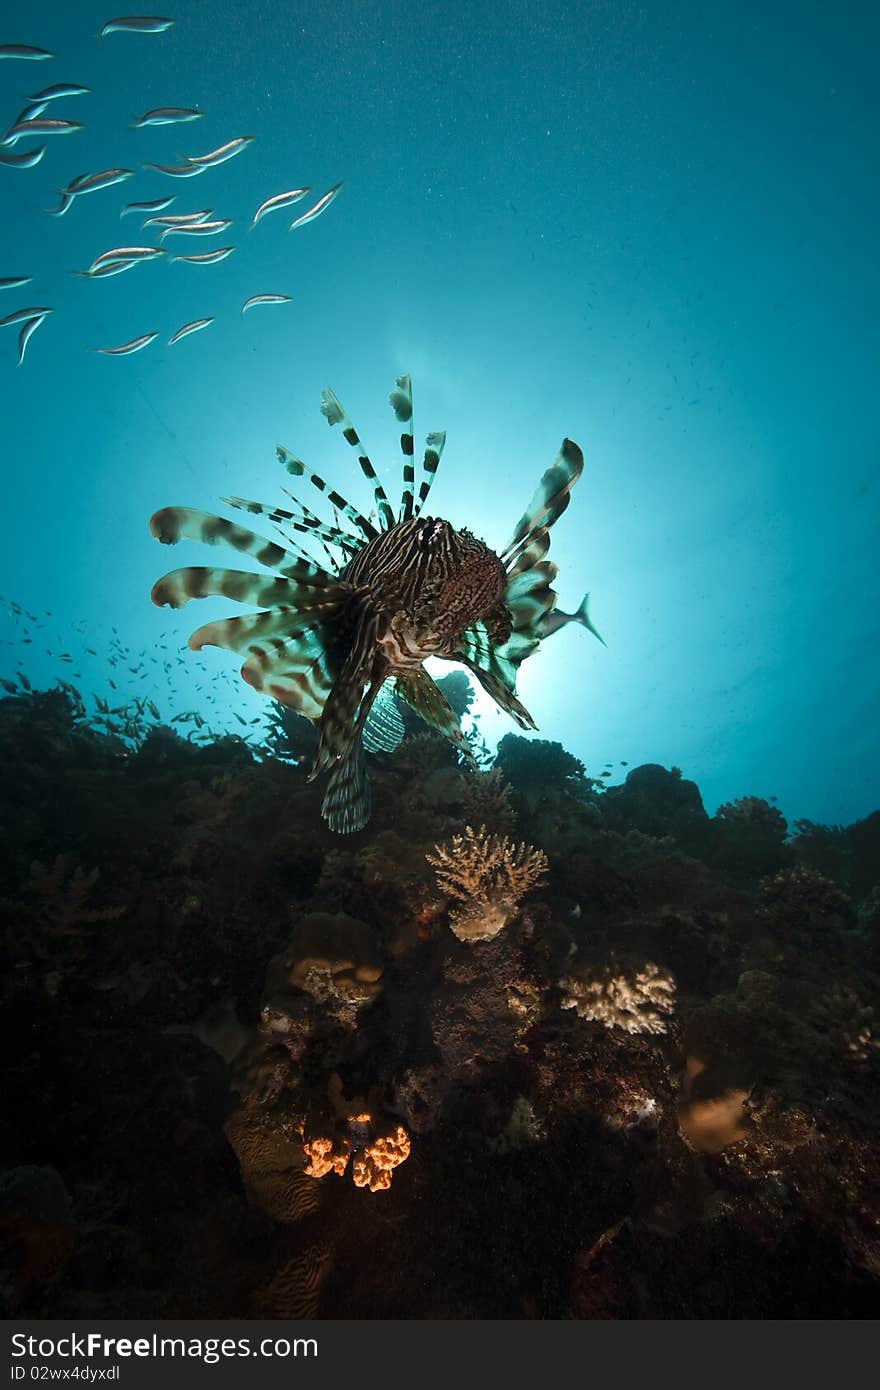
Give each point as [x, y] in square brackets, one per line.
[373, 1167]
[326, 1156]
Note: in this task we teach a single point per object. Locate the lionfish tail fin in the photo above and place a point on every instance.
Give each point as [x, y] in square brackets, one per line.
[334, 414]
[549, 502]
[402, 405]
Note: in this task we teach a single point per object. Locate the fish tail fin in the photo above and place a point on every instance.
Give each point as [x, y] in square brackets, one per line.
[348, 799]
[297, 469]
[401, 404]
[582, 615]
[334, 414]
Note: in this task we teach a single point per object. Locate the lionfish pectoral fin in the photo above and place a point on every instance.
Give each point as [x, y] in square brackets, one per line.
[348, 799]
[550, 500]
[425, 697]
[501, 694]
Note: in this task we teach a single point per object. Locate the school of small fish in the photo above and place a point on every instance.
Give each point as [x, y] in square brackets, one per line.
[31, 123]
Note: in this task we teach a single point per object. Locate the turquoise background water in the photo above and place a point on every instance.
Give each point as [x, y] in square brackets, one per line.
[651, 227]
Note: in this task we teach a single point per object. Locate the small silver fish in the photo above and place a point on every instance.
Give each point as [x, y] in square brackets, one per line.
[177, 171]
[12, 282]
[320, 205]
[156, 205]
[188, 328]
[27, 329]
[280, 200]
[91, 183]
[222, 153]
[136, 24]
[64, 206]
[167, 115]
[19, 315]
[61, 89]
[41, 126]
[127, 253]
[206, 257]
[23, 50]
[106, 269]
[553, 620]
[30, 113]
[134, 346]
[196, 228]
[265, 299]
[178, 219]
[26, 160]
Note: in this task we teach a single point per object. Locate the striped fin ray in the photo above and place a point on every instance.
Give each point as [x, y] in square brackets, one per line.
[434, 446]
[334, 414]
[550, 500]
[495, 671]
[528, 598]
[173, 524]
[199, 581]
[301, 678]
[384, 730]
[252, 629]
[421, 692]
[401, 403]
[334, 534]
[348, 799]
[298, 521]
[347, 706]
[297, 469]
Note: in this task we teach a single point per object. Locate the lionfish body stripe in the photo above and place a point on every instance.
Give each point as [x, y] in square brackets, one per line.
[331, 639]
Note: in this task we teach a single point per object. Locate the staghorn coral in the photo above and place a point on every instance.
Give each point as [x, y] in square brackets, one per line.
[373, 1167]
[635, 1004]
[489, 875]
[486, 800]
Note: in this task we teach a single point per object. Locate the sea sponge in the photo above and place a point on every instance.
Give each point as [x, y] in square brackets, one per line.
[636, 1004]
[489, 875]
[329, 956]
[373, 1167]
[326, 1155]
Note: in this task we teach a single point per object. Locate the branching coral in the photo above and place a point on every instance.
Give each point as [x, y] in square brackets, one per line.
[489, 875]
[802, 900]
[636, 1004]
[486, 800]
[757, 813]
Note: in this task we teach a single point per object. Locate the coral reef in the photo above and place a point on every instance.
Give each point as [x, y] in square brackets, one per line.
[250, 1071]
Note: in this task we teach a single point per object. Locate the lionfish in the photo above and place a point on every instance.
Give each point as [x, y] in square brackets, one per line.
[393, 592]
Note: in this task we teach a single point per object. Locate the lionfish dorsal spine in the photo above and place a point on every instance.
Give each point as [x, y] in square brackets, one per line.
[402, 405]
[434, 446]
[331, 409]
[297, 469]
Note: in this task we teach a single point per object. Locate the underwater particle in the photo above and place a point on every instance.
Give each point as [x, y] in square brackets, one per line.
[373, 1167]
[637, 1004]
[488, 875]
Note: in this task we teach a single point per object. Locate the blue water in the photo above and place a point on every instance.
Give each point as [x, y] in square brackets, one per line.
[650, 227]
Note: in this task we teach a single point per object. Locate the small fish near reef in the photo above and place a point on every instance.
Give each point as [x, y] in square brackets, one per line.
[327, 637]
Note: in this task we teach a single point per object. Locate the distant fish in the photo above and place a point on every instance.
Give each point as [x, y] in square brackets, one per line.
[221, 154]
[26, 160]
[61, 89]
[167, 115]
[177, 171]
[178, 219]
[265, 299]
[12, 282]
[555, 619]
[156, 205]
[322, 203]
[90, 183]
[19, 315]
[27, 330]
[64, 206]
[196, 228]
[23, 50]
[136, 24]
[41, 126]
[280, 200]
[206, 257]
[134, 346]
[188, 328]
